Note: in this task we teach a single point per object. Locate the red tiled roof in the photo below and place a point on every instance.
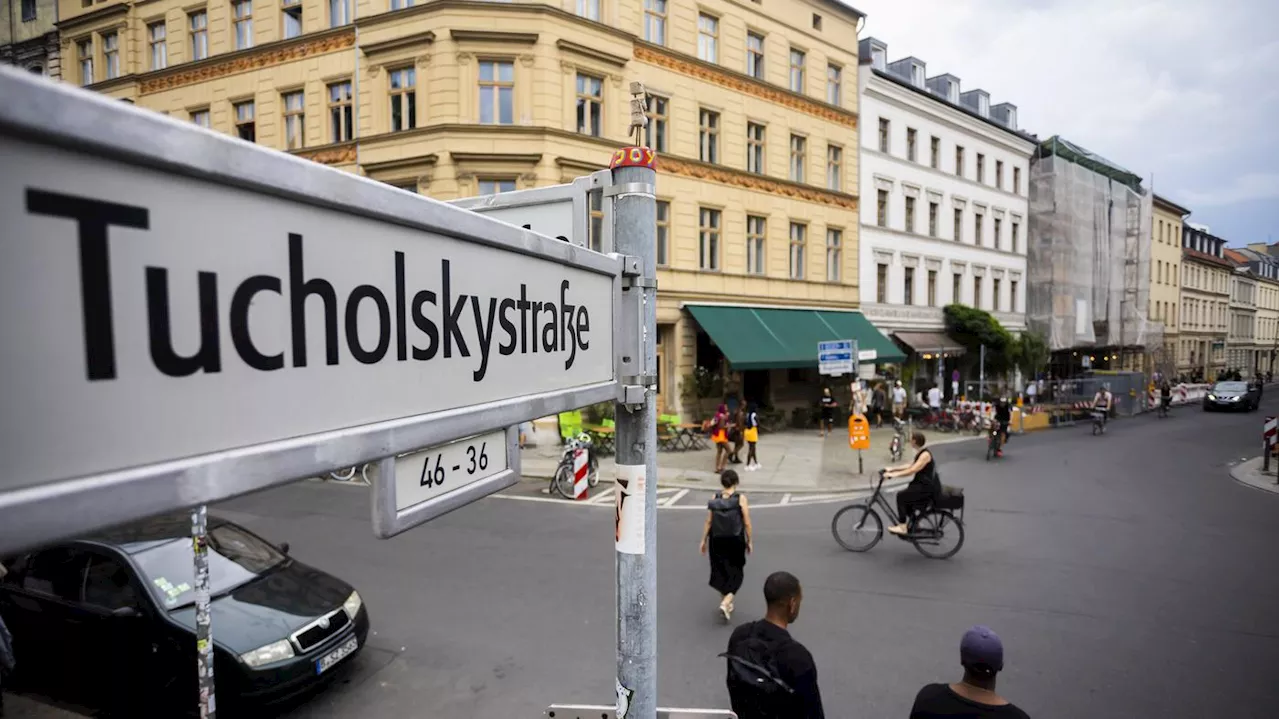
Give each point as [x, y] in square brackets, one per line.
[1206, 257]
[1234, 256]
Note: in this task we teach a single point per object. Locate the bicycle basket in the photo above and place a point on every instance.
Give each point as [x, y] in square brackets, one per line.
[951, 498]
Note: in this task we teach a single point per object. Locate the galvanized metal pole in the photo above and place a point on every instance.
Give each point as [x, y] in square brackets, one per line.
[982, 372]
[204, 629]
[635, 234]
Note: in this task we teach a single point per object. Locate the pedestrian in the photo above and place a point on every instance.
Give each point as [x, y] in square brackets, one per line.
[879, 400]
[827, 404]
[751, 433]
[720, 436]
[974, 696]
[899, 399]
[525, 428]
[726, 539]
[1031, 393]
[770, 675]
[735, 432]
[935, 400]
[922, 489]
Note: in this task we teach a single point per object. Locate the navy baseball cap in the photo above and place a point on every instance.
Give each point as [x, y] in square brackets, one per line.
[982, 647]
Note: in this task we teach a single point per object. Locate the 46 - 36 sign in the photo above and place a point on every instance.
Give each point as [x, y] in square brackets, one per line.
[477, 460]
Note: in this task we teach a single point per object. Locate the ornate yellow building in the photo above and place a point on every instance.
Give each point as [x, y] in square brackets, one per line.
[1166, 278]
[753, 114]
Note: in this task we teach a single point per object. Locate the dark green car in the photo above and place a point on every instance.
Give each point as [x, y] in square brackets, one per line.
[109, 621]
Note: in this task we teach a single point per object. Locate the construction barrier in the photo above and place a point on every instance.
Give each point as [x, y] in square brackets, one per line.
[1268, 442]
[580, 469]
[1181, 394]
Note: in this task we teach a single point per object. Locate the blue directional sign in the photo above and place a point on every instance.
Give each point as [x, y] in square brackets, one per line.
[835, 357]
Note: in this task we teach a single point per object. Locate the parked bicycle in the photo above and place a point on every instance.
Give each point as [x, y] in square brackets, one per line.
[348, 474]
[898, 440]
[930, 531]
[562, 480]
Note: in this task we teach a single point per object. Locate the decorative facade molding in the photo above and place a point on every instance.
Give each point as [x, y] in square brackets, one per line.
[883, 183]
[527, 60]
[332, 155]
[246, 60]
[759, 183]
[521, 38]
[909, 190]
[662, 57]
[421, 38]
[467, 157]
[607, 58]
[463, 57]
[567, 67]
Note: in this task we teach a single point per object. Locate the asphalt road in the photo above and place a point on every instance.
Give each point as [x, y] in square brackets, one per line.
[1128, 574]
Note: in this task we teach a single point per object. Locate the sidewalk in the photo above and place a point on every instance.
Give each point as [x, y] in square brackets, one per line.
[1250, 472]
[791, 461]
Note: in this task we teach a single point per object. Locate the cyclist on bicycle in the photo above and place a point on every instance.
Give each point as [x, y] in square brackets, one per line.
[922, 490]
[1003, 413]
[1102, 402]
[1166, 395]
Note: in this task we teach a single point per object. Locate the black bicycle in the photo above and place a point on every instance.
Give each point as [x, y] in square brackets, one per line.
[993, 441]
[931, 531]
[1099, 422]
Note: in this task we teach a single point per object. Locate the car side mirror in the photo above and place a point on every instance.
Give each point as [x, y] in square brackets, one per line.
[124, 612]
[284, 547]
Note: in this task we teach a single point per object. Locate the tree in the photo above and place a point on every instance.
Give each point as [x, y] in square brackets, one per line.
[975, 328]
[1031, 353]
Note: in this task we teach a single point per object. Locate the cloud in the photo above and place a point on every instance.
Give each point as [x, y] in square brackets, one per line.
[1185, 90]
[1250, 186]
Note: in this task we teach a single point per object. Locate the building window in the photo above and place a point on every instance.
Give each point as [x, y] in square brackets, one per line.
[294, 119]
[797, 71]
[982, 167]
[708, 38]
[797, 158]
[958, 224]
[111, 54]
[655, 22]
[291, 18]
[884, 135]
[908, 285]
[835, 81]
[199, 24]
[999, 174]
[590, 9]
[995, 228]
[931, 289]
[662, 211]
[1013, 295]
[1013, 236]
[882, 283]
[242, 23]
[911, 144]
[156, 33]
[755, 55]
[959, 161]
[28, 10]
[798, 236]
[200, 117]
[590, 105]
[909, 214]
[977, 230]
[933, 219]
[708, 239]
[493, 186]
[835, 167]
[339, 12]
[882, 208]
[340, 111]
[995, 294]
[835, 240]
[935, 150]
[755, 244]
[404, 113]
[497, 85]
[977, 292]
[1017, 180]
[655, 133]
[400, 5]
[755, 148]
[708, 135]
[245, 125]
[84, 53]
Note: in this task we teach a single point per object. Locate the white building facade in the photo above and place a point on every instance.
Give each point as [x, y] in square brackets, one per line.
[944, 179]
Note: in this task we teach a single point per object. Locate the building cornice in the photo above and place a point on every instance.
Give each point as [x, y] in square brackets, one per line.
[517, 38]
[420, 38]
[526, 158]
[590, 52]
[481, 7]
[255, 58]
[869, 230]
[403, 163]
[67, 26]
[1169, 206]
[760, 183]
[906, 99]
[887, 80]
[742, 83]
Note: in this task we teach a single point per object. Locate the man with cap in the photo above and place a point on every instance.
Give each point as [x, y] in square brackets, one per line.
[974, 696]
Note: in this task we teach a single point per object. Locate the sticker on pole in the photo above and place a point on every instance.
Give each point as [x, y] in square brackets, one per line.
[629, 504]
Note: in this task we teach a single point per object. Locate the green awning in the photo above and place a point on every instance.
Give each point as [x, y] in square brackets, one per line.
[767, 338]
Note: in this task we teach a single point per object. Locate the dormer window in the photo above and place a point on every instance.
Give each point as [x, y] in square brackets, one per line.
[917, 76]
[878, 58]
[953, 93]
[984, 106]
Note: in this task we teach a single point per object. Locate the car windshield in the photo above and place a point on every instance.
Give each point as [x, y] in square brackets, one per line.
[235, 557]
[1231, 387]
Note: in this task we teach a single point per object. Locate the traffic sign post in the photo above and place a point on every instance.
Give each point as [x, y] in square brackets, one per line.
[836, 357]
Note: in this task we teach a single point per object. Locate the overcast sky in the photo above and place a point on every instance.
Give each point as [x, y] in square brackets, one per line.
[1185, 90]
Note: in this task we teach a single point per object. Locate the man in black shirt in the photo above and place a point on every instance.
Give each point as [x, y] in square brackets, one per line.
[771, 675]
[974, 696]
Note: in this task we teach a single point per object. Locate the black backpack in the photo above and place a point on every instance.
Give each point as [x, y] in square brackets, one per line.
[726, 516]
[753, 676]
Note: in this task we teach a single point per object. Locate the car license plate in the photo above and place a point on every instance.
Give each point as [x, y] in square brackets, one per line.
[328, 661]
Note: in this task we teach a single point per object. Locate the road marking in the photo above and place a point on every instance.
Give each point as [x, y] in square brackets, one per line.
[605, 497]
[786, 498]
[675, 498]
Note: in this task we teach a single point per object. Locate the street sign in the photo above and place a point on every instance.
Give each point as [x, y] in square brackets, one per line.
[419, 486]
[836, 357]
[562, 212]
[187, 317]
[867, 355]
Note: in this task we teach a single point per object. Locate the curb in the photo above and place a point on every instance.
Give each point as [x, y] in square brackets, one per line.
[1249, 473]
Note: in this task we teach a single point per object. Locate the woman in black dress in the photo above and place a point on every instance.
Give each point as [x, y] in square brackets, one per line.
[727, 534]
[923, 488]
